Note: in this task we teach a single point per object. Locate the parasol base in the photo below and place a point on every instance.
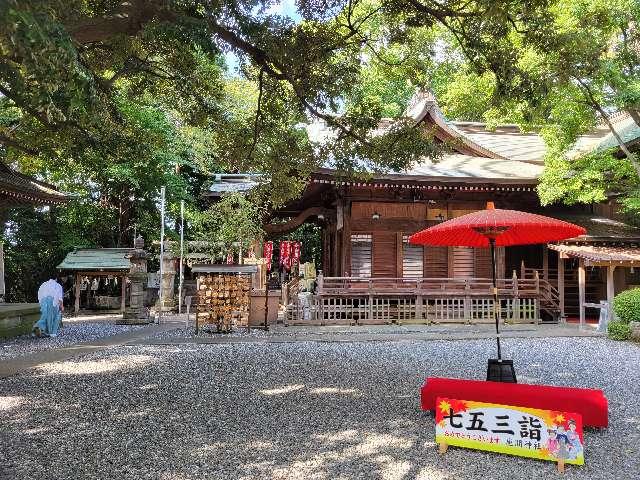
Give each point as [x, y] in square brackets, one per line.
[501, 371]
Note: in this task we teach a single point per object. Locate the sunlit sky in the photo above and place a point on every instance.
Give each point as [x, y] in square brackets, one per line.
[286, 8]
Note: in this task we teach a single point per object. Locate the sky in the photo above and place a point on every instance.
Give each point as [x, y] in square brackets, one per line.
[286, 8]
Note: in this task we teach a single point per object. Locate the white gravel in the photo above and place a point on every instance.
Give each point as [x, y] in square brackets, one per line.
[70, 334]
[293, 411]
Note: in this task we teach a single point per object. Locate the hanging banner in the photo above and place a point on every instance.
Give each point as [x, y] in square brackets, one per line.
[268, 253]
[295, 256]
[285, 254]
[526, 432]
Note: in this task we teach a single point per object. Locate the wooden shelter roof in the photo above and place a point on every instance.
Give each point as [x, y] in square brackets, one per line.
[601, 228]
[601, 255]
[98, 260]
[17, 189]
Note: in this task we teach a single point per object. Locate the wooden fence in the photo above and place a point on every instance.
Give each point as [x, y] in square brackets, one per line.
[353, 301]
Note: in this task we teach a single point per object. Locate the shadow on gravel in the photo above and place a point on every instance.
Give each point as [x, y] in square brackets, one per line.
[291, 411]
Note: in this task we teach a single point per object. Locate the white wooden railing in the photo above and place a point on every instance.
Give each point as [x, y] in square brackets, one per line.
[352, 300]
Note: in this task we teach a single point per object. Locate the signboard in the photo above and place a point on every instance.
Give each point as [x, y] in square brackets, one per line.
[522, 431]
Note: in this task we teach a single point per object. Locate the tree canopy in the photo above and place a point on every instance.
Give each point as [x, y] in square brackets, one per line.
[111, 99]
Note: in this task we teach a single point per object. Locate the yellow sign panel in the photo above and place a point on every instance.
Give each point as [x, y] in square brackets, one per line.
[526, 432]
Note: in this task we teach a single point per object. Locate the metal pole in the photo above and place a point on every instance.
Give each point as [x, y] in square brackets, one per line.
[181, 255]
[496, 305]
[160, 296]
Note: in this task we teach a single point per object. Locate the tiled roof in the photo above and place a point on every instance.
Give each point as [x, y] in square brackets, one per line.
[229, 183]
[506, 141]
[628, 131]
[98, 259]
[466, 166]
[600, 226]
[17, 189]
[601, 254]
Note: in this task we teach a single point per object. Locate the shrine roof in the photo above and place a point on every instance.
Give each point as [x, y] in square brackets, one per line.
[601, 254]
[601, 227]
[459, 166]
[17, 189]
[98, 260]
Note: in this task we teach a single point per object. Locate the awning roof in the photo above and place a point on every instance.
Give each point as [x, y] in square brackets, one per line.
[602, 255]
[17, 189]
[600, 227]
[98, 260]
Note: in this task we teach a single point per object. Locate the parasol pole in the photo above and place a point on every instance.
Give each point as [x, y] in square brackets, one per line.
[496, 305]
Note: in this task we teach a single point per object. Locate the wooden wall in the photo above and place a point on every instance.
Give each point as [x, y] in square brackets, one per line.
[396, 219]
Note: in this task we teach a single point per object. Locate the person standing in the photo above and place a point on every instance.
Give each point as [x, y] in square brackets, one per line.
[50, 297]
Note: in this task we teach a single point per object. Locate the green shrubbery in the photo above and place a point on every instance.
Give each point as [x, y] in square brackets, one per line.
[626, 306]
[619, 331]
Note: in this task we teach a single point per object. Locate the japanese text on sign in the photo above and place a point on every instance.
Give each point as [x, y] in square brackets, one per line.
[527, 432]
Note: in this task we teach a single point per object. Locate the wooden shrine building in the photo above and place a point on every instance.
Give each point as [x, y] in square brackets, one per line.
[92, 268]
[18, 190]
[371, 274]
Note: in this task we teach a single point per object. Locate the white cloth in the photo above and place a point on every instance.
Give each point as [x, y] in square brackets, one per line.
[50, 288]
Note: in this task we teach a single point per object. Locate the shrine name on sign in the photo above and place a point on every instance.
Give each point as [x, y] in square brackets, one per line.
[522, 431]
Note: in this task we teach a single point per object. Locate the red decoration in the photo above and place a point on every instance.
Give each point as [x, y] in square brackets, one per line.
[508, 227]
[285, 254]
[590, 403]
[268, 253]
[230, 258]
[295, 256]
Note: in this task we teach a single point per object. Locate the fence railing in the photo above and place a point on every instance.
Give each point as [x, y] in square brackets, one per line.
[353, 300]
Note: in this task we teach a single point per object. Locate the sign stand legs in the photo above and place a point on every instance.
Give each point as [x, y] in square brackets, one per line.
[442, 448]
[561, 465]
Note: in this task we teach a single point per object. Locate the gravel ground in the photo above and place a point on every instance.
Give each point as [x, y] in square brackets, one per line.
[293, 411]
[70, 334]
[209, 331]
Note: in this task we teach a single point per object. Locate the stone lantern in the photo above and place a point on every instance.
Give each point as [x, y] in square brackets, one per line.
[167, 282]
[136, 313]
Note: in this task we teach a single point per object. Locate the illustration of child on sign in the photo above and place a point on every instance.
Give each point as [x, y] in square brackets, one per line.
[573, 440]
[552, 443]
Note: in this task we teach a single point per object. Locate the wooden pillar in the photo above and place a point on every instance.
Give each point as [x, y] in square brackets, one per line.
[76, 306]
[611, 291]
[561, 287]
[333, 247]
[345, 260]
[123, 299]
[326, 251]
[582, 279]
[399, 246]
[500, 262]
[545, 263]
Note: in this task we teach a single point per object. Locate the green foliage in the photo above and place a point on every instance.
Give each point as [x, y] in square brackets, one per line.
[626, 305]
[234, 219]
[619, 331]
[587, 178]
[111, 110]
[310, 237]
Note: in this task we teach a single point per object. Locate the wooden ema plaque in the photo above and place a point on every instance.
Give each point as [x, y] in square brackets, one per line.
[525, 432]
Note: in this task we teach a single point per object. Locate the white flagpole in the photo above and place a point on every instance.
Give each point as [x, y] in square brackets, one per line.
[162, 192]
[181, 255]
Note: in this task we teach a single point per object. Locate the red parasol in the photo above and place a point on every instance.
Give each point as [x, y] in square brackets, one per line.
[506, 227]
[494, 227]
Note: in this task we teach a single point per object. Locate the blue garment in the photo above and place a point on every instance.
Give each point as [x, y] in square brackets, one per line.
[50, 317]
